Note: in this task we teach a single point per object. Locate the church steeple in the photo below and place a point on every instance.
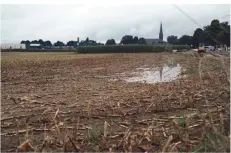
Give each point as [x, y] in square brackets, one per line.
[161, 32]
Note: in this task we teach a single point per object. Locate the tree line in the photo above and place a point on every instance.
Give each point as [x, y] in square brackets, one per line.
[43, 43]
[127, 39]
[217, 33]
[60, 43]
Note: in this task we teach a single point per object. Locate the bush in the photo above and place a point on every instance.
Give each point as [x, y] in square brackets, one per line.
[180, 47]
[130, 48]
[110, 49]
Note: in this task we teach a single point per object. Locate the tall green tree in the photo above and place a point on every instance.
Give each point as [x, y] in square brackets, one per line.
[127, 39]
[198, 37]
[27, 42]
[135, 40]
[110, 42]
[71, 43]
[185, 40]
[142, 41]
[59, 43]
[172, 39]
[48, 43]
[217, 33]
[35, 41]
[40, 41]
[224, 35]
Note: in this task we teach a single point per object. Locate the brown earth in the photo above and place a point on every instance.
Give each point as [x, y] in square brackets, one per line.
[69, 102]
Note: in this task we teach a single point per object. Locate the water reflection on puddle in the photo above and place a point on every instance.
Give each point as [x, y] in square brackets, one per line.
[162, 74]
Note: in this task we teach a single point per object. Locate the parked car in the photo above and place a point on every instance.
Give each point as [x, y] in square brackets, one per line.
[209, 48]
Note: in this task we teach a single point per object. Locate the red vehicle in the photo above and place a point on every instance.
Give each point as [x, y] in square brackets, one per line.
[201, 49]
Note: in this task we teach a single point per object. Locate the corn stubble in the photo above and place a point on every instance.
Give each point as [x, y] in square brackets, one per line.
[186, 115]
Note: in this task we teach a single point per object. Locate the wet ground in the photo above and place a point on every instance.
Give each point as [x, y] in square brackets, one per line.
[154, 75]
[60, 98]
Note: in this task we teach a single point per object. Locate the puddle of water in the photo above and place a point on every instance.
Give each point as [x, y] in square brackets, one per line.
[164, 74]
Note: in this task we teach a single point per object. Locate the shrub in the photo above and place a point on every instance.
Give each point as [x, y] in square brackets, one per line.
[130, 48]
[135, 48]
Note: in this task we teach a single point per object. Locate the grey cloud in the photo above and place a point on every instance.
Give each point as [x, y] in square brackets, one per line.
[67, 22]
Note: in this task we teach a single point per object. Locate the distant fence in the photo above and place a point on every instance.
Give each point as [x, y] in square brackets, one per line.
[110, 49]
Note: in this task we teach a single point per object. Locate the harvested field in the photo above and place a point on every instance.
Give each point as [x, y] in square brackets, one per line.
[73, 102]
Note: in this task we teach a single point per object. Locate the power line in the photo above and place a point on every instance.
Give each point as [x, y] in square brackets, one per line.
[195, 22]
[191, 18]
[187, 15]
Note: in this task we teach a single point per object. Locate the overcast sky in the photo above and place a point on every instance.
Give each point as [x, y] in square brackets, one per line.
[67, 22]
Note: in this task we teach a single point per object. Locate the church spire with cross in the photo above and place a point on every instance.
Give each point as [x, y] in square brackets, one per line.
[161, 32]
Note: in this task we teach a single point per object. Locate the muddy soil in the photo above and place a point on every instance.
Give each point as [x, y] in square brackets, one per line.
[65, 98]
